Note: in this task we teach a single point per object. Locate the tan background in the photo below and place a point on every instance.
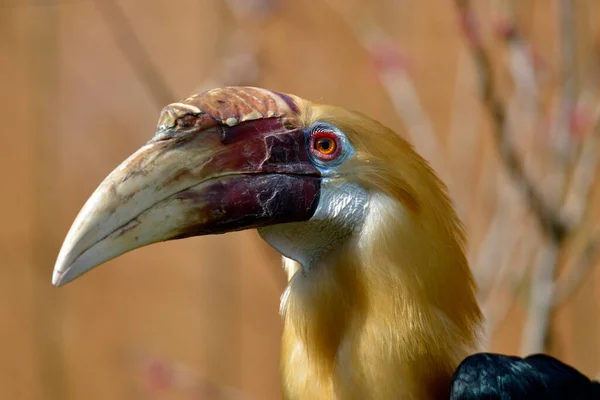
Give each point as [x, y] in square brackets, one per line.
[164, 321]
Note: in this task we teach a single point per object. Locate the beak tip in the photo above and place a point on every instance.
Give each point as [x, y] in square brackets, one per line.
[63, 273]
[67, 269]
[57, 278]
[61, 268]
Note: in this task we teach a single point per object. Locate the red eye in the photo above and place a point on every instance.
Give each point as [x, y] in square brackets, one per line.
[325, 145]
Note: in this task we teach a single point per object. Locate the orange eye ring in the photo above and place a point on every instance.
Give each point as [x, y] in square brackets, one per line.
[325, 145]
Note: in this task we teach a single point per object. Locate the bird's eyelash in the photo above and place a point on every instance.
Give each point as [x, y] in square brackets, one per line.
[317, 129]
[320, 127]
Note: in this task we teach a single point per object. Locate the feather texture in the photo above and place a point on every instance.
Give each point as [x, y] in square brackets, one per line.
[390, 312]
[499, 377]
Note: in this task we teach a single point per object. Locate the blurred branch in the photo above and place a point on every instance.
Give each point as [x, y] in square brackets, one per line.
[503, 235]
[390, 65]
[522, 115]
[464, 139]
[504, 257]
[540, 304]
[568, 77]
[571, 281]
[521, 60]
[513, 277]
[548, 218]
[541, 300]
[239, 65]
[510, 273]
[135, 53]
[583, 175]
[575, 177]
[404, 96]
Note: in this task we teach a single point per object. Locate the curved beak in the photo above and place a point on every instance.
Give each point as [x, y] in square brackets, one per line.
[193, 179]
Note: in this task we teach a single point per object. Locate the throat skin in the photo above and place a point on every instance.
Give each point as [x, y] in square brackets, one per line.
[388, 312]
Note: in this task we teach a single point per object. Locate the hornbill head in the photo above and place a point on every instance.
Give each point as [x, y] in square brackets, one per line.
[384, 280]
[312, 178]
[225, 160]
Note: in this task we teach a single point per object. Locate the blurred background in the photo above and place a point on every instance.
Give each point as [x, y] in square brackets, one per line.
[502, 97]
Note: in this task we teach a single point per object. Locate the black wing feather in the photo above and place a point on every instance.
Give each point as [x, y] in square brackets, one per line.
[498, 377]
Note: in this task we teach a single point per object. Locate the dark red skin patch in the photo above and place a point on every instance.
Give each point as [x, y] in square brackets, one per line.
[257, 173]
[263, 146]
[249, 201]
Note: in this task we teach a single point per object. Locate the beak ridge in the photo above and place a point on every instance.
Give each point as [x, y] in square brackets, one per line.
[196, 178]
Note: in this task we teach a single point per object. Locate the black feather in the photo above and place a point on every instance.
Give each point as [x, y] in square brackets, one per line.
[498, 377]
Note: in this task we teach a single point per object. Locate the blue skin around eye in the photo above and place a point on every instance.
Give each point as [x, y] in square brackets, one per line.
[328, 167]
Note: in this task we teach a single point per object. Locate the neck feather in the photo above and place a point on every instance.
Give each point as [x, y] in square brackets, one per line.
[388, 314]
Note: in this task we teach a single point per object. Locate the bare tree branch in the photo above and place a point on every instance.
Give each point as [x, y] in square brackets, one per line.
[502, 236]
[567, 284]
[464, 139]
[562, 135]
[398, 85]
[548, 218]
[239, 66]
[135, 53]
[540, 304]
[583, 175]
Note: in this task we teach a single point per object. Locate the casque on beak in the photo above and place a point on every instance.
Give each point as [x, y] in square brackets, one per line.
[225, 160]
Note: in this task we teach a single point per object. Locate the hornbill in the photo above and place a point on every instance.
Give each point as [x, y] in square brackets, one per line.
[380, 300]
